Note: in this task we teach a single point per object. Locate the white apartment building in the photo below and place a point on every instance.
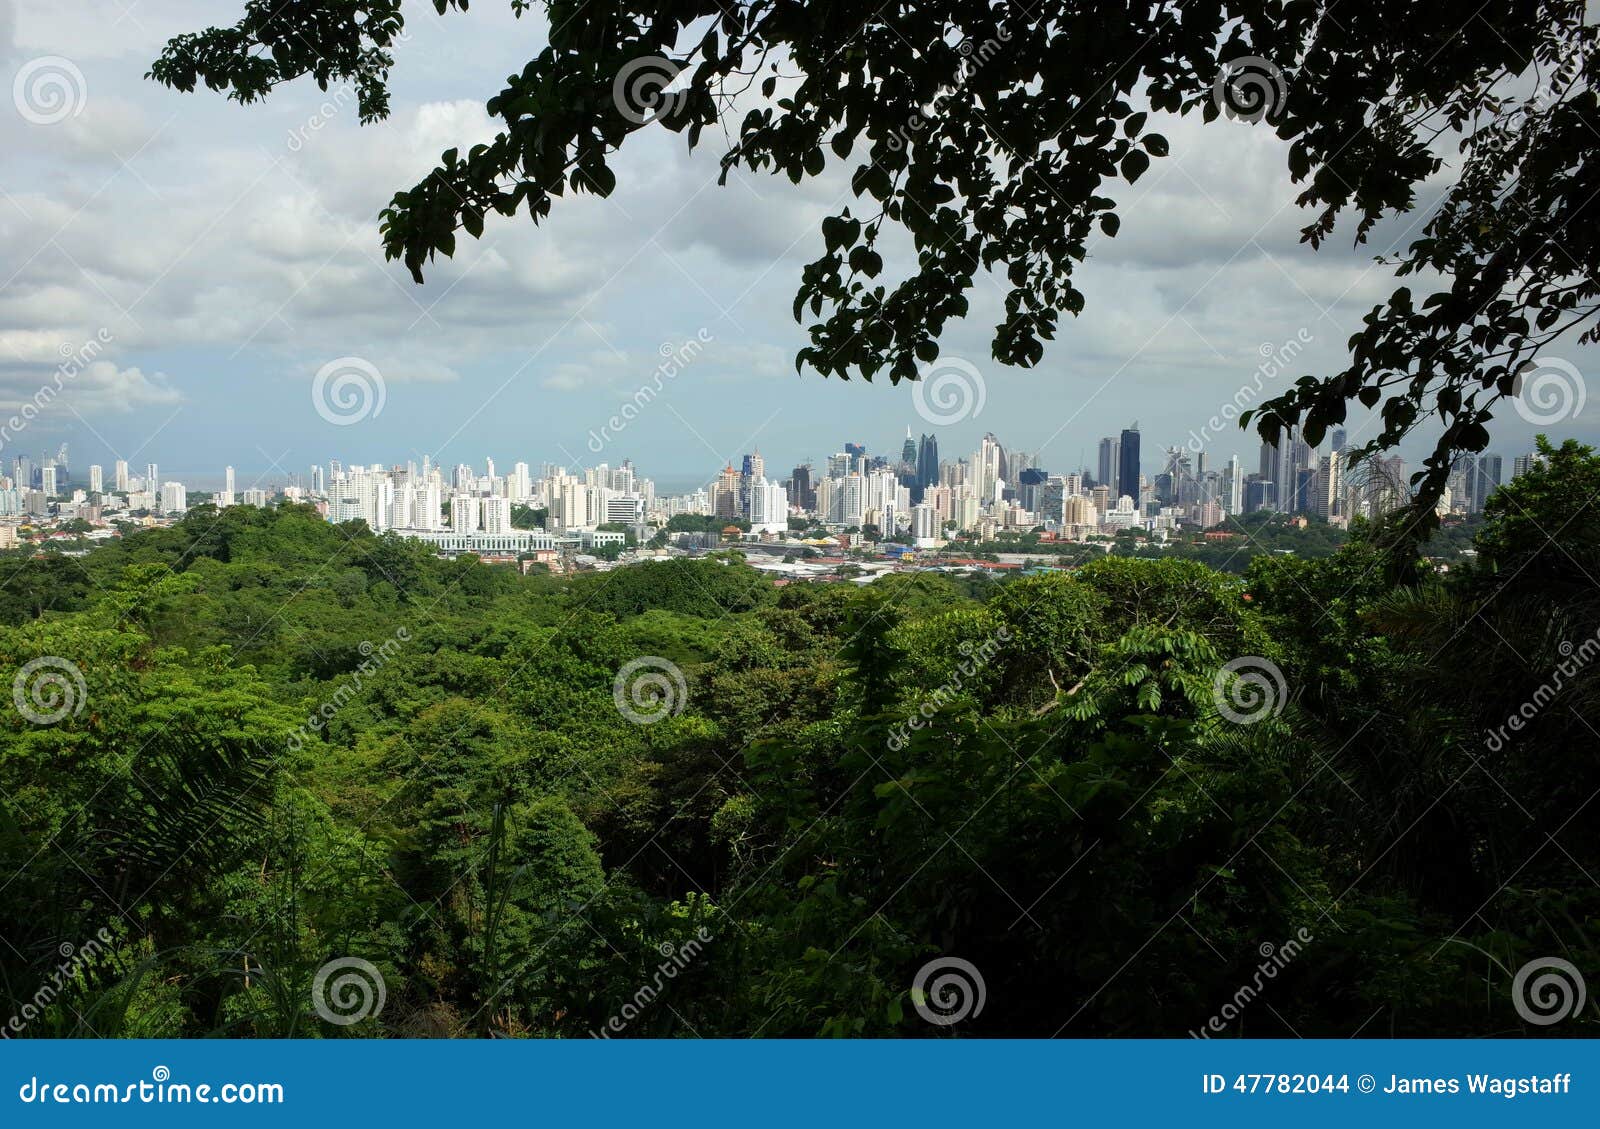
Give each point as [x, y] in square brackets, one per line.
[174, 498]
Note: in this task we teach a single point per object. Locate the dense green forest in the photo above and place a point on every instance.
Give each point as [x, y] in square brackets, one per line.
[254, 750]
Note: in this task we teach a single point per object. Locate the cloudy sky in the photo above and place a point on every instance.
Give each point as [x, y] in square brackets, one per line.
[229, 253]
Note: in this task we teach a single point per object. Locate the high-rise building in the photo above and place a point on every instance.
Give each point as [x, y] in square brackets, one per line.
[152, 478]
[96, 479]
[1327, 487]
[1289, 464]
[801, 492]
[990, 464]
[927, 461]
[752, 472]
[47, 479]
[496, 515]
[769, 507]
[1231, 487]
[464, 513]
[1483, 480]
[1106, 472]
[1076, 510]
[1128, 465]
[119, 479]
[174, 498]
[1260, 494]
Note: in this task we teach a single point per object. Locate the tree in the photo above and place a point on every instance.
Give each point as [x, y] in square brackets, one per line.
[527, 517]
[1542, 525]
[997, 136]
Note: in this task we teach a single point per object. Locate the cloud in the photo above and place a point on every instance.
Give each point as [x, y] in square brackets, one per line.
[98, 387]
[236, 248]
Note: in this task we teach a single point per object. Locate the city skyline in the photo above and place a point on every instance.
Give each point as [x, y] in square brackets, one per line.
[214, 357]
[915, 495]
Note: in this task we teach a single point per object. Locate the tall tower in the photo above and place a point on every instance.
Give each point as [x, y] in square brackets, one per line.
[990, 467]
[1106, 472]
[1128, 464]
[928, 461]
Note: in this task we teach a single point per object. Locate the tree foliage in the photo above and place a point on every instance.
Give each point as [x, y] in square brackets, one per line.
[301, 743]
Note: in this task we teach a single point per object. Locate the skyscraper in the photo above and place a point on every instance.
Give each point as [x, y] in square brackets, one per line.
[464, 513]
[769, 507]
[928, 461]
[801, 492]
[1128, 464]
[1106, 473]
[753, 471]
[174, 498]
[990, 465]
[1484, 480]
[119, 478]
[96, 479]
[496, 515]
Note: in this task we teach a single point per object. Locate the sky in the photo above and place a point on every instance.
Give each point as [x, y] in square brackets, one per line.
[215, 258]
